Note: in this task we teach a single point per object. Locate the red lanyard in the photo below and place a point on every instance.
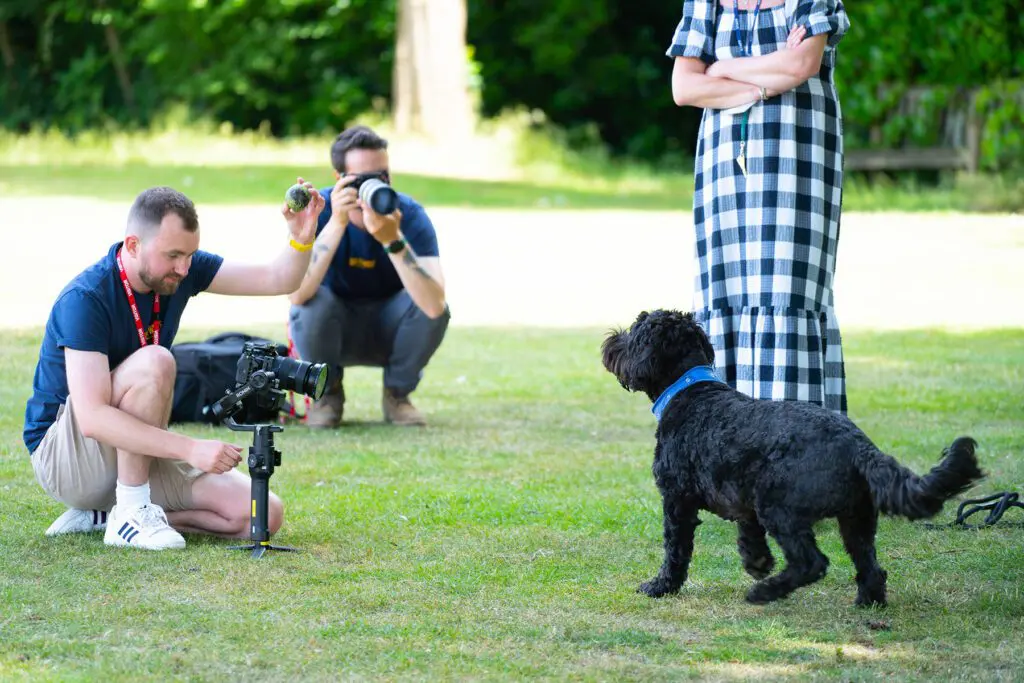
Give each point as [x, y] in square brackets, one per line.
[135, 309]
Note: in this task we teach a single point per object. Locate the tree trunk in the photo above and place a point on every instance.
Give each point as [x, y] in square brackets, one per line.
[122, 72]
[430, 85]
[7, 53]
[117, 57]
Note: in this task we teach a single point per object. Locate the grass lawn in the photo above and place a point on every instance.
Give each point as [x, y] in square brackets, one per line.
[600, 190]
[267, 184]
[506, 540]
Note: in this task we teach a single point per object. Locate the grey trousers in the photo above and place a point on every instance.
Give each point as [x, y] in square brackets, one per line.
[390, 333]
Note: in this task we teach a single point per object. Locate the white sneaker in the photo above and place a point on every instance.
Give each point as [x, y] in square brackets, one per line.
[142, 527]
[75, 521]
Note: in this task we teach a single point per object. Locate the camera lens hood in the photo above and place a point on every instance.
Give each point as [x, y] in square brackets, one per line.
[380, 196]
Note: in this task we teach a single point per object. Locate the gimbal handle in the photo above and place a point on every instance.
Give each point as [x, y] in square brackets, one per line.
[262, 456]
[236, 427]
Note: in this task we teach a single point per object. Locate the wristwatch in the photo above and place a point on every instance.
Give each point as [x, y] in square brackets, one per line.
[395, 246]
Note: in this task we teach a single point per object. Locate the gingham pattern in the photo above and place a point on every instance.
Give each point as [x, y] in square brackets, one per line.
[766, 243]
[779, 354]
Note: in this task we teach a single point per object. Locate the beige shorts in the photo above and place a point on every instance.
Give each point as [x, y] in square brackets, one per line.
[82, 472]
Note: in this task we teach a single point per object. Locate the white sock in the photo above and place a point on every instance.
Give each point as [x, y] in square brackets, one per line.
[132, 496]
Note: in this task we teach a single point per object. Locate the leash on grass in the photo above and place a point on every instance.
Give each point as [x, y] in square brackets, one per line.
[997, 504]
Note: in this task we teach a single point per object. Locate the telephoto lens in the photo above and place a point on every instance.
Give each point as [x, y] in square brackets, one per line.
[379, 196]
[297, 375]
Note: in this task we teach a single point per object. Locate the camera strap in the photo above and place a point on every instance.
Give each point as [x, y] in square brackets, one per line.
[135, 309]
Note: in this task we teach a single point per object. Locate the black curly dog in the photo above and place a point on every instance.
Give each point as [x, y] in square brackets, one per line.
[771, 466]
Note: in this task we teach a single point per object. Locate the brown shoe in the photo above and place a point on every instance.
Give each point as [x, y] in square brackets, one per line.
[398, 410]
[326, 413]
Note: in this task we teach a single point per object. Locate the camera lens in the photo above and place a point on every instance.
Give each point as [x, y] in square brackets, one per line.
[379, 195]
[297, 375]
[316, 381]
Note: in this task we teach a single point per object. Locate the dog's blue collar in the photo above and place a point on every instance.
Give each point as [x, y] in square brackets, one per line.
[701, 373]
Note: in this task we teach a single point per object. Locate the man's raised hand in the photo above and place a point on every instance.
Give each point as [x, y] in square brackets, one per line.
[344, 199]
[302, 224]
[383, 227]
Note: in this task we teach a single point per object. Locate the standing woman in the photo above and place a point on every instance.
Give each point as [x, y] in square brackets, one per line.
[768, 189]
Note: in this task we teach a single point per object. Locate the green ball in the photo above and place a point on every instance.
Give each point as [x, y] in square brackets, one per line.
[297, 198]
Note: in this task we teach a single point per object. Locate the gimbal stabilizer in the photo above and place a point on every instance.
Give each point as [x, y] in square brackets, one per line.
[263, 458]
[262, 377]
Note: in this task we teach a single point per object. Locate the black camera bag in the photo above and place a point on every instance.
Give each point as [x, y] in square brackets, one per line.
[206, 371]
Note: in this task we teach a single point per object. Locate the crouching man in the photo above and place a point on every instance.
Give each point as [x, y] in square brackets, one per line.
[96, 423]
[374, 293]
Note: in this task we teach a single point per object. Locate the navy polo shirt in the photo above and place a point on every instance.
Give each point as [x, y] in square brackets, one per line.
[360, 268]
[92, 314]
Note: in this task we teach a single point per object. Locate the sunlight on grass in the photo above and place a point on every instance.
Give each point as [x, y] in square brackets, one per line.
[518, 148]
[263, 184]
[737, 671]
[506, 165]
[506, 148]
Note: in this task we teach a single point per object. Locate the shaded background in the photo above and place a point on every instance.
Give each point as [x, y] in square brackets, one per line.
[910, 72]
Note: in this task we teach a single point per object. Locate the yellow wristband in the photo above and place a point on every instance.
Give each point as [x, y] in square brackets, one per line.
[299, 246]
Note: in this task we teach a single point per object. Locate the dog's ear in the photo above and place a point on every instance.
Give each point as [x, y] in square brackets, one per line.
[640, 371]
[628, 355]
[705, 344]
[703, 341]
[613, 349]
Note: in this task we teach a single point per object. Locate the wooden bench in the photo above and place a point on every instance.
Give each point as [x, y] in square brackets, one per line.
[912, 158]
[961, 133]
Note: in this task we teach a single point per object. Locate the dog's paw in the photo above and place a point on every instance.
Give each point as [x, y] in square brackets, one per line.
[871, 592]
[761, 567]
[870, 602]
[871, 599]
[761, 594]
[657, 587]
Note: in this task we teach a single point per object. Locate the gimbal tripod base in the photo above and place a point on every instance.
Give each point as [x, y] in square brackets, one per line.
[260, 549]
[263, 457]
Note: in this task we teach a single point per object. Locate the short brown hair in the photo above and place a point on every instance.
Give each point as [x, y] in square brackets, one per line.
[356, 137]
[150, 207]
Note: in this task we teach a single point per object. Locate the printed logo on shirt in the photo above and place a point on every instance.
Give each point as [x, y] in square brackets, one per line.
[356, 262]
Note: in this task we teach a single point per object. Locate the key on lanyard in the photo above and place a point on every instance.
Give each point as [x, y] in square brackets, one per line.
[746, 43]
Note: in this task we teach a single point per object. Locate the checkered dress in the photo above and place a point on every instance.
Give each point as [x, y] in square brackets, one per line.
[766, 243]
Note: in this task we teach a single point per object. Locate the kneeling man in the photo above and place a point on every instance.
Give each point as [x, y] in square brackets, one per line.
[96, 423]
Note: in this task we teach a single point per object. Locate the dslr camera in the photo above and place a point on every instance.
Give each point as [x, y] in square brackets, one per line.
[375, 190]
[263, 377]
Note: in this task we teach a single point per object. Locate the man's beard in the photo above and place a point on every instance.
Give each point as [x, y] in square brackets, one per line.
[164, 287]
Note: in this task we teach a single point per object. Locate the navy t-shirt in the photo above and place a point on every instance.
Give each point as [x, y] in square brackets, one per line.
[360, 268]
[92, 314]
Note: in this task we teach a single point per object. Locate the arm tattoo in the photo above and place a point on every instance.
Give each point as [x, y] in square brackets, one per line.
[409, 259]
[318, 250]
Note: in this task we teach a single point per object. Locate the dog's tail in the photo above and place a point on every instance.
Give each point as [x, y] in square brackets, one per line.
[898, 491]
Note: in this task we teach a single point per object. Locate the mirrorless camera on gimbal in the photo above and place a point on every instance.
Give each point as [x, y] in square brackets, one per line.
[262, 381]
